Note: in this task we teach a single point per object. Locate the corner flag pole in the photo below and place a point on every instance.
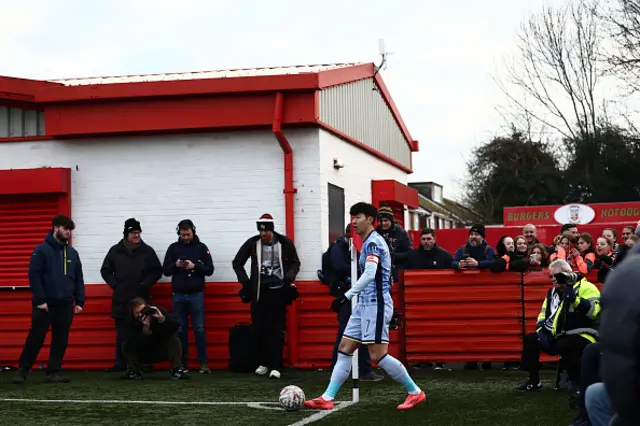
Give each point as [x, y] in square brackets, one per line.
[354, 302]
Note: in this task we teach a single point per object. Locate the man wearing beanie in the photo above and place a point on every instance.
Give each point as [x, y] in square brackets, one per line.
[396, 237]
[269, 288]
[130, 268]
[476, 253]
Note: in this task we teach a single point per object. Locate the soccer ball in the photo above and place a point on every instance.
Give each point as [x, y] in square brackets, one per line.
[291, 398]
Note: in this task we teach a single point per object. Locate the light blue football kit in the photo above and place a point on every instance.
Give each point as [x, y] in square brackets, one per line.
[369, 321]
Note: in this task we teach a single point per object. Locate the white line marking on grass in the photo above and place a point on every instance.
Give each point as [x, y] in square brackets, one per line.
[322, 414]
[117, 401]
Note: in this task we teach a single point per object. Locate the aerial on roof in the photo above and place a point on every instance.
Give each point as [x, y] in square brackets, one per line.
[199, 75]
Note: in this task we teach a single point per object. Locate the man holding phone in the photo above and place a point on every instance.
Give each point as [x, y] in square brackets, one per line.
[476, 253]
[188, 261]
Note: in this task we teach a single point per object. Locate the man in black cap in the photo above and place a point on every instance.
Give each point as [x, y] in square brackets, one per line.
[56, 281]
[130, 268]
[476, 253]
[269, 288]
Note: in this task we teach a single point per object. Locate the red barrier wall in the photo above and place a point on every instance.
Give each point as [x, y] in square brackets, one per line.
[448, 316]
[92, 337]
[463, 316]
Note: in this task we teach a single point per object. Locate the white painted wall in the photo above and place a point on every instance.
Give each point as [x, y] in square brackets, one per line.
[360, 168]
[222, 181]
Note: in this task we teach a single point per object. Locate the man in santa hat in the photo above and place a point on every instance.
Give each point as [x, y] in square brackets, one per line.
[269, 288]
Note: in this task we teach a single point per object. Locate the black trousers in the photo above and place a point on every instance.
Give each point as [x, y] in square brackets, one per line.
[120, 324]
[169, 348]
[59, 318]
[590, 371]
[364, 359]
[570, 348]
[269, 316]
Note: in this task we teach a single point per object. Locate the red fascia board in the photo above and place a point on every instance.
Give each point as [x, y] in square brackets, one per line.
[364, 147]
[391, 190]
[158, 115]
[308, 81]
[340, 76]
[21, 89]
[45, 180]
[413, 145]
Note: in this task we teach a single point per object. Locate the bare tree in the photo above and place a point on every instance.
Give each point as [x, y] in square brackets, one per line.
[556, 71]
[622, 22]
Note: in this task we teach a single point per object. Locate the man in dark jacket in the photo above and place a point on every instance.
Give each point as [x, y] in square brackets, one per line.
[429, 255]
[188, 261]
[341, 265]
[151, 335]
[130, 268]
[396, 237]
[476, 253]
[269, 289]
[56, 281]
[620, 337]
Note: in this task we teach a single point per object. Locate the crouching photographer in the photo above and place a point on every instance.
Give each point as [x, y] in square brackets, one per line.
[151, 335]
[567, 323]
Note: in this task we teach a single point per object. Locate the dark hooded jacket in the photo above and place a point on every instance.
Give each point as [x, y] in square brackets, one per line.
[620, 337]
[482, 253]
[185, 281]
[160, 331]
[55, 274]
[130, 273]
[290, 264]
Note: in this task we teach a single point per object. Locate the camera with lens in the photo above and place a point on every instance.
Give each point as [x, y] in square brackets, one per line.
[566, 277]
[148, 310]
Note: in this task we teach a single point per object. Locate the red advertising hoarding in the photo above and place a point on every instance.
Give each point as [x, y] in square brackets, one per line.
[581, 214]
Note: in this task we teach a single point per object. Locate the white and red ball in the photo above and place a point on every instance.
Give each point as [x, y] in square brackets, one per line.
[291, 398]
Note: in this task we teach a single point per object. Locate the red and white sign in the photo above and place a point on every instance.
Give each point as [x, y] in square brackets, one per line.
[580, 214]
[598, 213]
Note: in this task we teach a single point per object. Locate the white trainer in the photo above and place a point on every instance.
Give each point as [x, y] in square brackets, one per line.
[262, 370]
[275, 374]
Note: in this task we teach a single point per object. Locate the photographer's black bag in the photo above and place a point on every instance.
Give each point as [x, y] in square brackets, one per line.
[242, 349]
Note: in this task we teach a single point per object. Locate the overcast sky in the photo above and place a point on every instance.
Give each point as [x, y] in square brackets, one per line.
[444, 52]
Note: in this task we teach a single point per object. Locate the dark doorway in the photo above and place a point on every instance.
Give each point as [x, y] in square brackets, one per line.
[336, 212]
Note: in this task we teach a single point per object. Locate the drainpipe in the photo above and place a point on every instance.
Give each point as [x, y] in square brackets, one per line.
[289, 191]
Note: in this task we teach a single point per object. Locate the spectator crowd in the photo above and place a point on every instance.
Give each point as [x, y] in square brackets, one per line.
[567, 324]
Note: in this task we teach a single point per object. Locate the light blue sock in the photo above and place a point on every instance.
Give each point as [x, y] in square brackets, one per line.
[396, 370]
[339, 375]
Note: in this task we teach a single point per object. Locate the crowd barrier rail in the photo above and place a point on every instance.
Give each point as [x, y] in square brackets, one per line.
[444, 316]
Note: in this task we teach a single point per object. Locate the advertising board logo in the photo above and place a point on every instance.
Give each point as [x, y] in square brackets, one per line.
[579, 214]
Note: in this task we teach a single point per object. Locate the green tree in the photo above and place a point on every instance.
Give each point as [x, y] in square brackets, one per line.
[512, 171]
[603, 167]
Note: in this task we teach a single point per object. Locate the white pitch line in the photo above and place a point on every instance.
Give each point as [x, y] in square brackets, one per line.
[322, 414]
[117, 401]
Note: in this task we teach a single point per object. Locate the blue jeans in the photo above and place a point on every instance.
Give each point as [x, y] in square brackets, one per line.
[185, 305]
[599, 405]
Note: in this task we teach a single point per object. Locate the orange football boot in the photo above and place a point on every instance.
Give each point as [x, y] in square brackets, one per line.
[319, 404]
[412, 401]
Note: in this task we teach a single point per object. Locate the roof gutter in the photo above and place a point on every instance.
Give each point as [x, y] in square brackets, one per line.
[289, 191]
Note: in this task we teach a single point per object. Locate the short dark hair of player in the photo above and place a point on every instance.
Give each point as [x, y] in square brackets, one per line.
[369, 210]
[427, 231]
[63, 221]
